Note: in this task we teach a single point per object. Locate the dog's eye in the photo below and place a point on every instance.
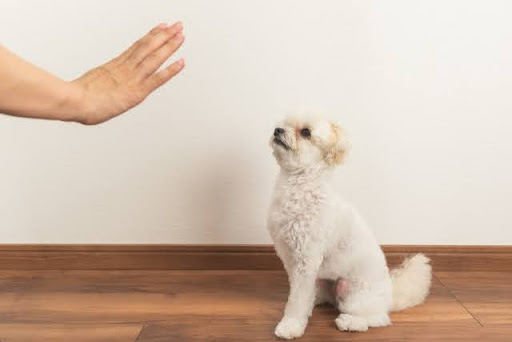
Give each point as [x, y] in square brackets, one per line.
[305, 132]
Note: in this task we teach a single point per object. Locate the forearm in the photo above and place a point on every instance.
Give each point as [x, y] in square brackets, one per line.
[27, 91]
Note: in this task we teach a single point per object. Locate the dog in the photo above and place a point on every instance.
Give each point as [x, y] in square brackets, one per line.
[328, 252]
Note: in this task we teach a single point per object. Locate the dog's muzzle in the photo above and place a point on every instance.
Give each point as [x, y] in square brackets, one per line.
[278, 133]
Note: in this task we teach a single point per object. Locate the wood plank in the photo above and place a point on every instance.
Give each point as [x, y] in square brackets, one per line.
[134, 296]
[487, 295]
[195, 329]
[12, 288]
[223, 257]
[440, 307]
[69, 332]
[221, 305]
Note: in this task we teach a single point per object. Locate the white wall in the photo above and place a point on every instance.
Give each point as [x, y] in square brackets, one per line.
[423, 87]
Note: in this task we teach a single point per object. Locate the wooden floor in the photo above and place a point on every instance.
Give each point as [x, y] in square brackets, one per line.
[228, 306]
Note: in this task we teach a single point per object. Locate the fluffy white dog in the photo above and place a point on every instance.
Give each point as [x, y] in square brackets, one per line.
[329, 253]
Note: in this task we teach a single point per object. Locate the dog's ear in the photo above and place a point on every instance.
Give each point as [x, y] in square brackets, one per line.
[338, 146]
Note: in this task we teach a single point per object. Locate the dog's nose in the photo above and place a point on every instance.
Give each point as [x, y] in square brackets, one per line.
[278, 131]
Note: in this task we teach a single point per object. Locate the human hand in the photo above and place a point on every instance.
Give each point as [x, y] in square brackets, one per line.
[113, 88]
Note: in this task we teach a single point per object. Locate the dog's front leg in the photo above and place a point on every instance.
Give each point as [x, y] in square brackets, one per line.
[302, 278]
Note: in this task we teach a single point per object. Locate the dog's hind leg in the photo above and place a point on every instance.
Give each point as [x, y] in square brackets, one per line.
[348, 322]
[362, 306]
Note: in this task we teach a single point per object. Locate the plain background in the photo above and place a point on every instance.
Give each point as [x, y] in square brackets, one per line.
[423, 88]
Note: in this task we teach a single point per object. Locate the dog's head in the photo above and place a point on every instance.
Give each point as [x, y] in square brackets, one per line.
[301, 143]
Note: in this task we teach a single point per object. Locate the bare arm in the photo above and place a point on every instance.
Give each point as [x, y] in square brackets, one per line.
[100, 94]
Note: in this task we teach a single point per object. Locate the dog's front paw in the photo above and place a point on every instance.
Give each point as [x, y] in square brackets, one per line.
[290, 328]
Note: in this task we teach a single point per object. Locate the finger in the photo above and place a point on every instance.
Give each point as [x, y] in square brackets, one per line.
[123, 56]
[160, 78]
[153, 42]
[152, 62]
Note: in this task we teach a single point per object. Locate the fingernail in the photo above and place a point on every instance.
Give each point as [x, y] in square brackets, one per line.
[181, 62]
[178, 25]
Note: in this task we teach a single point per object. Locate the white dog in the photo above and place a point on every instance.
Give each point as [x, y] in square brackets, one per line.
[329, 253]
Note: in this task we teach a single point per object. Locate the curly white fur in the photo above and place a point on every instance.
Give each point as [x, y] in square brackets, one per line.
[321, 238]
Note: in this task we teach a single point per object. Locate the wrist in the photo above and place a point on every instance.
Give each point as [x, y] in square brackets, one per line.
[74, 106]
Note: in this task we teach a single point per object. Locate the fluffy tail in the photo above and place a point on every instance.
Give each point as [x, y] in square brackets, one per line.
[411, 282]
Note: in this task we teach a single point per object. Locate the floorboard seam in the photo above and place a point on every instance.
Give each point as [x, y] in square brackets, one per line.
[459, 301]
[140, 332]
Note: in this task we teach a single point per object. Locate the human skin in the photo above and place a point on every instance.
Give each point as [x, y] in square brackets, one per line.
[100, 94]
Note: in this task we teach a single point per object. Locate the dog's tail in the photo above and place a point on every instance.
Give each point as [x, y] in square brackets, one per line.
[411, 282]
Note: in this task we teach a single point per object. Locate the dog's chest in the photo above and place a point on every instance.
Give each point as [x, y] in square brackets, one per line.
[295, 214]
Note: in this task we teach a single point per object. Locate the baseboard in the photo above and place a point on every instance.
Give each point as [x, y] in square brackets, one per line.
[224, 257]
